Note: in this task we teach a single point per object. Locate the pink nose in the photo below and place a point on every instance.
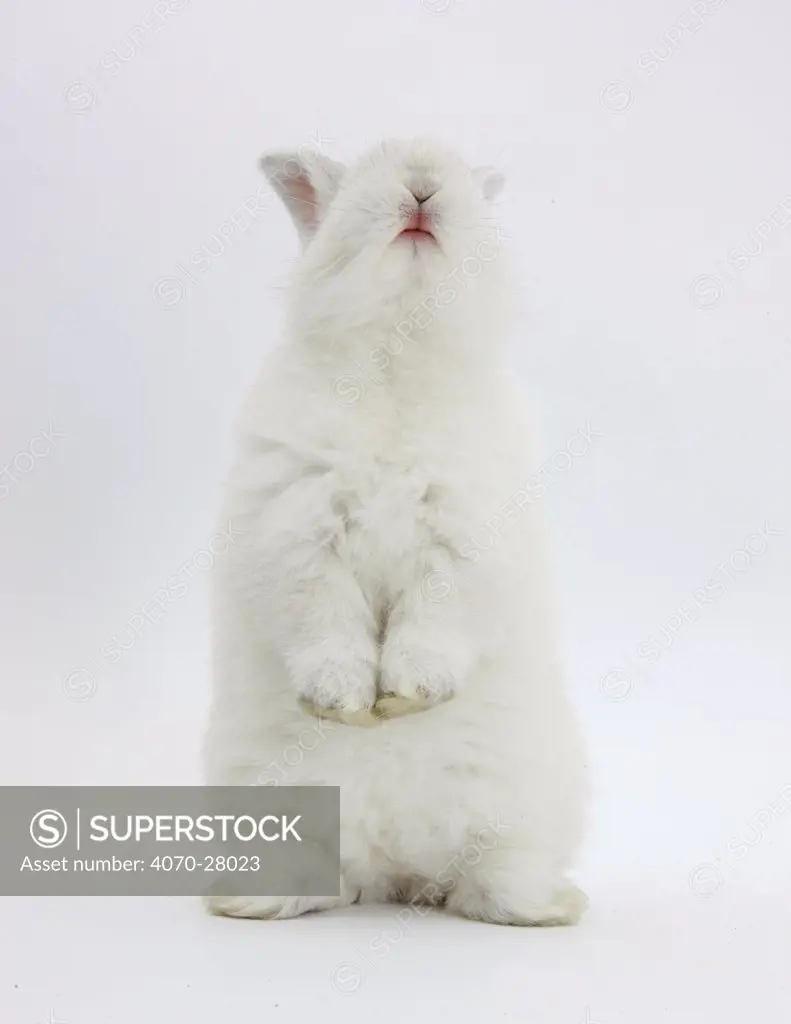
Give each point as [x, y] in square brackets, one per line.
[417, 221]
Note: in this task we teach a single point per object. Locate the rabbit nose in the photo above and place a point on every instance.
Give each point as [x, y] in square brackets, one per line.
[422, 190]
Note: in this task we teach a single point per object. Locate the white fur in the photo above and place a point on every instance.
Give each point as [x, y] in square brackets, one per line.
[361, 506]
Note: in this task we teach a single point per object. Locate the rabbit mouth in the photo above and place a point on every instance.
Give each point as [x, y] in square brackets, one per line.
[417, 234]
[417, 227]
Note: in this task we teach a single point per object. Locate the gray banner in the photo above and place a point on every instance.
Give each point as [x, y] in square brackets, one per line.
[251, 841]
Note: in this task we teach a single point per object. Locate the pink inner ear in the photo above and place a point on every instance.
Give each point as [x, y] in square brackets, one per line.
[292, 179]
[300, 196]
[304, 193]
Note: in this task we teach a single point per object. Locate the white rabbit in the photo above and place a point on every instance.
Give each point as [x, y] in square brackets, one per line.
[387, 544]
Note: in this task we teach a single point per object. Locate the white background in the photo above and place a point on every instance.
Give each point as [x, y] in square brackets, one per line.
[632, 176]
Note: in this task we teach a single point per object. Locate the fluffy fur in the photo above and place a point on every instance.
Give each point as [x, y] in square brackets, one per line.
[381, 439]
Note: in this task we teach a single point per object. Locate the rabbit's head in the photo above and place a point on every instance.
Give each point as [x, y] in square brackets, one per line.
[386, 230]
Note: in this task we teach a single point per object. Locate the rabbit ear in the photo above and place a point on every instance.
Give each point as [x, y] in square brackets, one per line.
[306, 182]
[490, 181]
